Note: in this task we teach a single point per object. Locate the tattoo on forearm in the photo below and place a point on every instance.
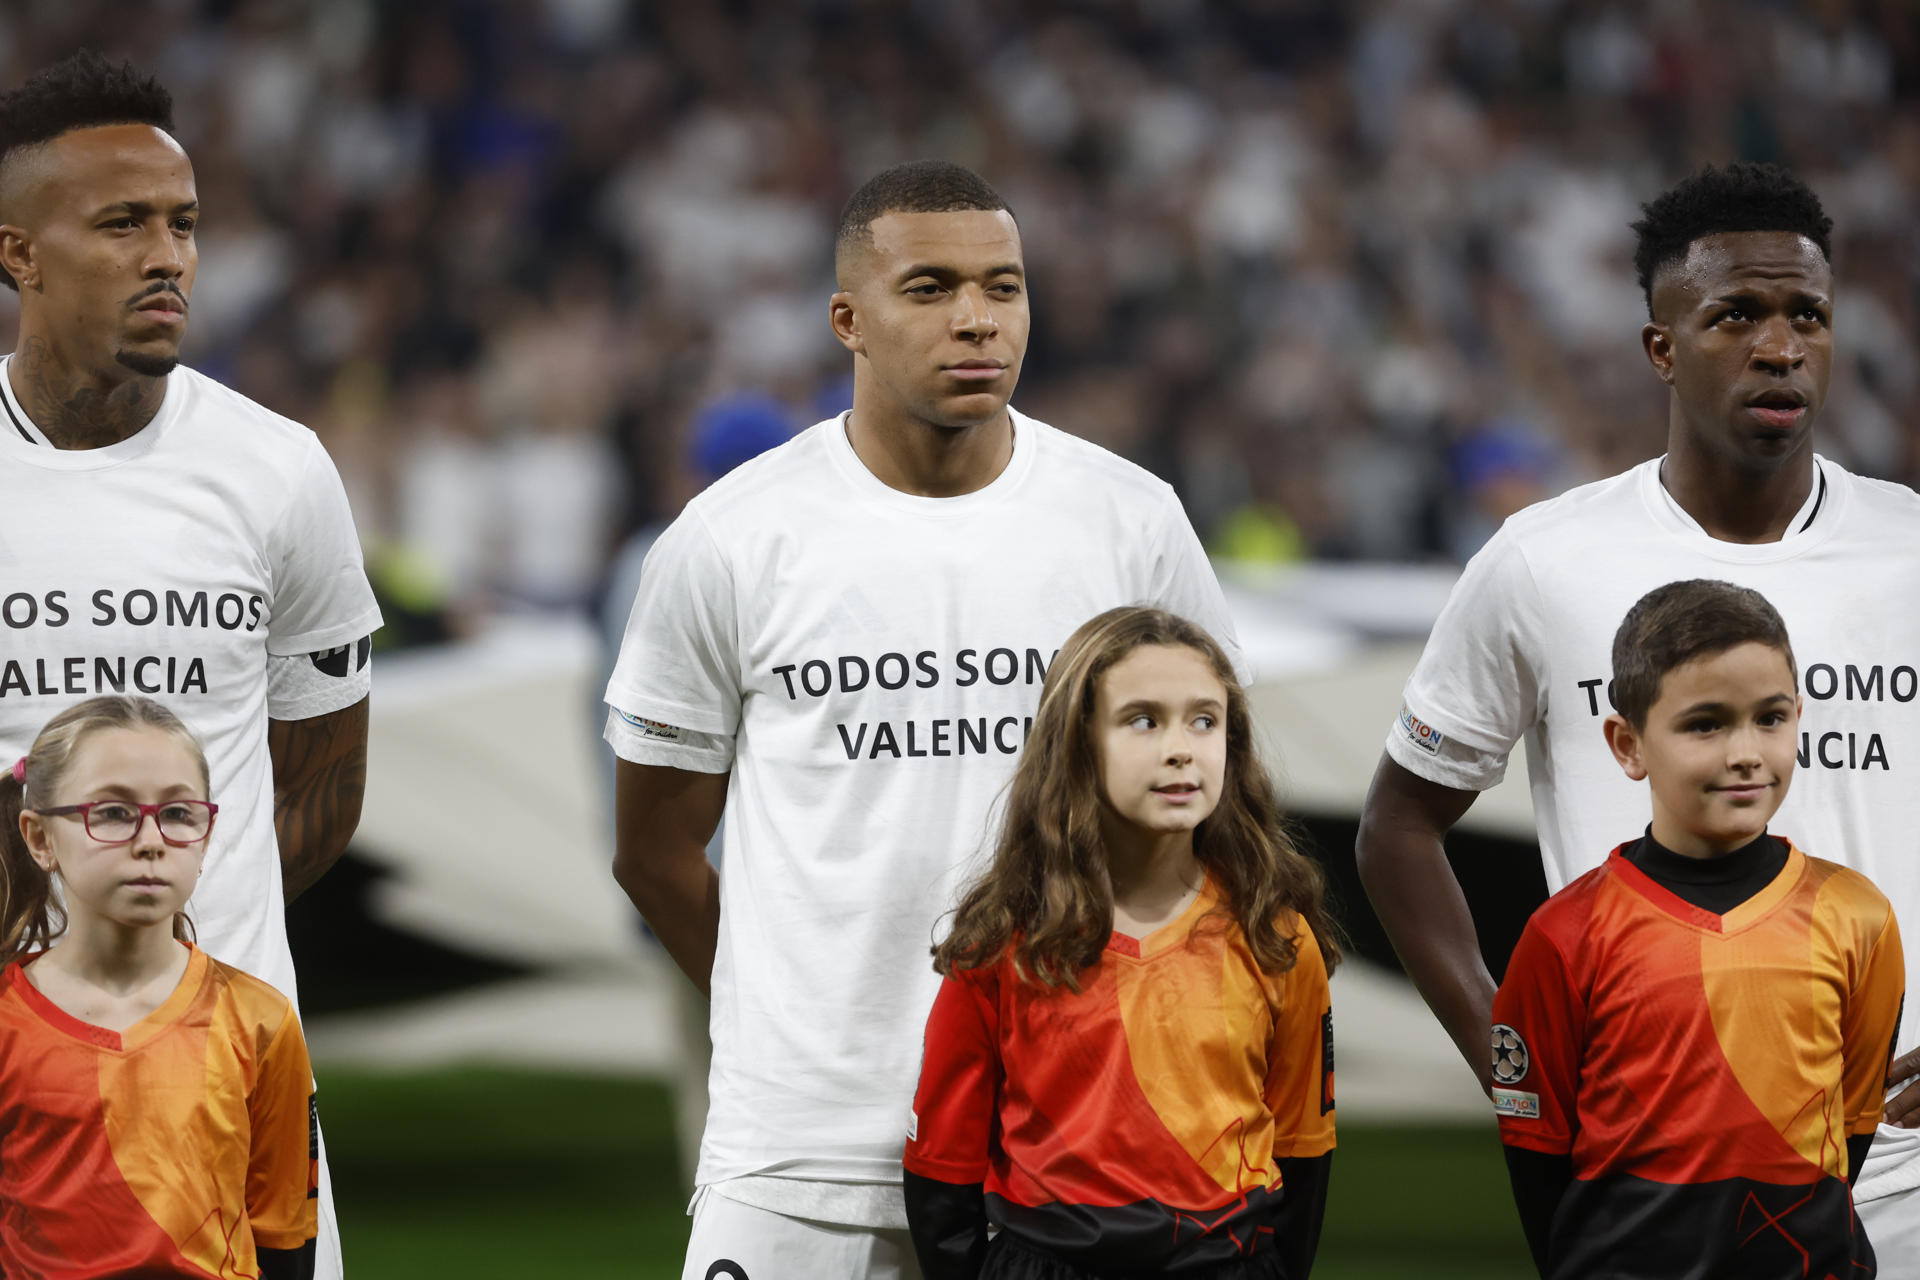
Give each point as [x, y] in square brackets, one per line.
[320, 778]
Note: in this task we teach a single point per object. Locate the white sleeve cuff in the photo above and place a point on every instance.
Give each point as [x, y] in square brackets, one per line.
[639, 740]
[1441, 758]
[304, 685]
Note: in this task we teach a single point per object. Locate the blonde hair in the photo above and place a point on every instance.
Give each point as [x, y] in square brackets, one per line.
[30, 916]
[1047, 898]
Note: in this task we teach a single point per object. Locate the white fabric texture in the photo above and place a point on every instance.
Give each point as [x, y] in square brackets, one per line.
[173, 564]
[764, 1245]
[872, 657]
[302, 686]
[1523, 649]
[1892, 1224]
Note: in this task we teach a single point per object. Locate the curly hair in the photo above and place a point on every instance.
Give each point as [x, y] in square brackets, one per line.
[1047, 898]
[79, 92]
[1740, 197]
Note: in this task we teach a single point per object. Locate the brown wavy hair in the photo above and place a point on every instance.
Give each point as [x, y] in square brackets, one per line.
[1047, 898]
[31, 916]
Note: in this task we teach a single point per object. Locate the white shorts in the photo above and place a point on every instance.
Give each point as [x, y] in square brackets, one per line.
[734, 1241]
[1893, 1228]
[326, 1251]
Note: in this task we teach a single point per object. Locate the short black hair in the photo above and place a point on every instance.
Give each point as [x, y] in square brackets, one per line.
[1673, 625]
[1740, 197]
[919, 186]
[78, 92]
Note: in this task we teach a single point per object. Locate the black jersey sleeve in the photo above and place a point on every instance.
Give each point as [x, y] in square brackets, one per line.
[1303, 1208]
[949, 1226]
[1539, 1181]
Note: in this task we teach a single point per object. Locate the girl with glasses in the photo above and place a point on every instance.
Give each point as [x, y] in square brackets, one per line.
[155, 1104]
[1129, 1066]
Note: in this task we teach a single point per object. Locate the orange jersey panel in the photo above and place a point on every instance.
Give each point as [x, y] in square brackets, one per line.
[1155, 1103]
[173, 1148]
[1700, 1068]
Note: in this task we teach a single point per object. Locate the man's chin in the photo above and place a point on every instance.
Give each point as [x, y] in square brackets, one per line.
[960, 413]
[148, 364]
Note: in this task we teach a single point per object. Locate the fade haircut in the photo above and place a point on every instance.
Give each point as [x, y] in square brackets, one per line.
[919, 186]
[80, 92]
[1740, 197]
[1673, 625]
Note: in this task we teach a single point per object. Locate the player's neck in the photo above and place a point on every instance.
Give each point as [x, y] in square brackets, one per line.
[76, 409]
[928, 461]
[1735, 504]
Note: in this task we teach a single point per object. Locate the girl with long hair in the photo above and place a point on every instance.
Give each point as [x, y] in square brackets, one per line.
[155, 1104]
[1129, 1066]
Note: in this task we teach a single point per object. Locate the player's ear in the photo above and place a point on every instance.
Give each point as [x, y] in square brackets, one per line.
[1657, 341]
[844, 315]
[1624, 742]
[33, 829]
[16, 255]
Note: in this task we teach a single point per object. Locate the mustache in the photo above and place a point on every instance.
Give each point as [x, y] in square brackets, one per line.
[158, 286]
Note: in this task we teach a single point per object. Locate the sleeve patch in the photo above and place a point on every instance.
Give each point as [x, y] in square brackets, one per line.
[1515, 1105]
[913, 1125]
[1326, 1062]
[651, 728]
[1511, 1061]
[342, 660]
[1419, 732]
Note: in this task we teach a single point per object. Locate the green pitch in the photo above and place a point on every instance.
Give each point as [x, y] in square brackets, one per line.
[486, 1173]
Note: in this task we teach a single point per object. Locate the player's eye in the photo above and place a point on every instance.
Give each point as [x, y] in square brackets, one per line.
[1140, 722]
[1731, 315]
[1204, 722]
[184, 226]
[1007, 290]
[923, 290]
[1702, 725]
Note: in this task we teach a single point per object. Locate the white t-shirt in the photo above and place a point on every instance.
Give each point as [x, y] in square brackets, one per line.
[198, 562]
[1524, 648]
[865, 662]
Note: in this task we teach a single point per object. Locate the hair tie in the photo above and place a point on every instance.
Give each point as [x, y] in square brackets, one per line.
[20, 771]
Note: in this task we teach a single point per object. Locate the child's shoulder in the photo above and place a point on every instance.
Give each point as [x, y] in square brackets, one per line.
[1848, 891]
[257, 1005]
[1572, 906]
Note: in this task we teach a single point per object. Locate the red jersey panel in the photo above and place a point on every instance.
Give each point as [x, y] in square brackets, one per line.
[174, 1148]
[1139, 1122]
[1703, 1072]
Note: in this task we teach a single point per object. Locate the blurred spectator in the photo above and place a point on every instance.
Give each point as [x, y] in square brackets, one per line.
[1291, 254]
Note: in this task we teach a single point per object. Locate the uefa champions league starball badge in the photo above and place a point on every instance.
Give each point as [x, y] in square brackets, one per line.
[1510, 1060]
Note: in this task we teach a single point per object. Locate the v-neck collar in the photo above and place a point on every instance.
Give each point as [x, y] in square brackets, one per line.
[1170, 934]
[169, 1012]
[1744, 916]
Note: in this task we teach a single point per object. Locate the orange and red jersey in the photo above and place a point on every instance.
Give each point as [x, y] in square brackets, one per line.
[182, 1146]
[1143, 1121]
[1702, 1072]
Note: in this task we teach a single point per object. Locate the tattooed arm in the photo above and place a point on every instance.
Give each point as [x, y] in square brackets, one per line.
[319, 777]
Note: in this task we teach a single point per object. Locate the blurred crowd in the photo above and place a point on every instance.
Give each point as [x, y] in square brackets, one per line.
[1354, 275]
